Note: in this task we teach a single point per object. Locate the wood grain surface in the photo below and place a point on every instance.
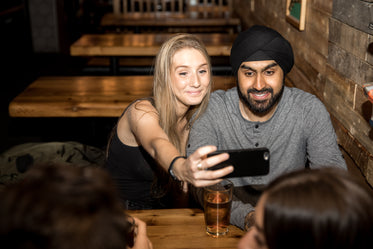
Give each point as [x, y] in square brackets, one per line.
[148, 44]
[183, 228]
[87, 96]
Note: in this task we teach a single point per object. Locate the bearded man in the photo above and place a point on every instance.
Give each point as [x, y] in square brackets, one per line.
[262, 112]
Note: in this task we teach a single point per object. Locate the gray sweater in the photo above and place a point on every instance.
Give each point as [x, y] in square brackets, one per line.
[299, 130]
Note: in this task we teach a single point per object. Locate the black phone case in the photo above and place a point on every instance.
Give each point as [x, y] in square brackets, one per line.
[246, 162]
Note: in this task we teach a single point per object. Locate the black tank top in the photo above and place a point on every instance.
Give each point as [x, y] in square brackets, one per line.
[132, 169]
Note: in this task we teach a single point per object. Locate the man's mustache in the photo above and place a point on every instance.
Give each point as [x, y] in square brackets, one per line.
[253, 90]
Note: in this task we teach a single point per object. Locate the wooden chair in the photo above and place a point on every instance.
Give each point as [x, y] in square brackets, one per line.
[148, 7]
[210, 8]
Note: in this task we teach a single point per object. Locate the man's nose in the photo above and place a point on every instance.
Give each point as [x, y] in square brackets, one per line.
[259, 83]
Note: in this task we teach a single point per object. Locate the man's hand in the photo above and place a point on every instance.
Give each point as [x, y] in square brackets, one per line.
[141, 240]
[249, 220]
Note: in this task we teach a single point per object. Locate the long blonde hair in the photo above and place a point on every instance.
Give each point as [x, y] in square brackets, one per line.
[165, 100]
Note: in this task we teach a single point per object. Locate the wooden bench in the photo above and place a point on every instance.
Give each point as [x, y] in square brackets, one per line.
[87, 96]
[141, 7]
[172, 16]
[188, 23]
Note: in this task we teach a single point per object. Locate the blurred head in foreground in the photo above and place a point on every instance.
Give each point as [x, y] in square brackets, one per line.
[63, 207]
[313, 209]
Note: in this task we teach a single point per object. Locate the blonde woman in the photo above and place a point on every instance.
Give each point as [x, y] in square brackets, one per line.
[150, 137]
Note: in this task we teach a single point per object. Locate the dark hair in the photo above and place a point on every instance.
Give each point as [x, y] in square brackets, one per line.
[63, 207]
[323, 208]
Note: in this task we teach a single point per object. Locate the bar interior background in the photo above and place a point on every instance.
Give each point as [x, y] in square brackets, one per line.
[332, 61]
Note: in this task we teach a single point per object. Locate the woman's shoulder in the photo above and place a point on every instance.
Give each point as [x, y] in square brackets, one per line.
[142, 105]
[141, 112]
[141, 108]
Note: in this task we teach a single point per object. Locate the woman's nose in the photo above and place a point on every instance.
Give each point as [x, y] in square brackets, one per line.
[195, 81]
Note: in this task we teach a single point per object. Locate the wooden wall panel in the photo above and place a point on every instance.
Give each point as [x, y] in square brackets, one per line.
[349, 65]
[359, 156]
[322, 6]
[348, 38]
[343, 87]
[369, 54]
[318, 20]
[355, 13]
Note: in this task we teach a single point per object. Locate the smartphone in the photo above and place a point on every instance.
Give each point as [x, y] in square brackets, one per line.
[246, 162]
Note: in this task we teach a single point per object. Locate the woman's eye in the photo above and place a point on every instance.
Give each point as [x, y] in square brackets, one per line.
[183, 73]
[202, 71]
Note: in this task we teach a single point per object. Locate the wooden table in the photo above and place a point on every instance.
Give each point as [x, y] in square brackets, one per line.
[182, 22]
[217, 44]
[183, 228]
[87, 96]
[115, 45]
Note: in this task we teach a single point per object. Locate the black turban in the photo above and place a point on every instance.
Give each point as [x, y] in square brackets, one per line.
[260, 43]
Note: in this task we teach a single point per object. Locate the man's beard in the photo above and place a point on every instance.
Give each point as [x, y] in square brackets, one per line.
[260, 107]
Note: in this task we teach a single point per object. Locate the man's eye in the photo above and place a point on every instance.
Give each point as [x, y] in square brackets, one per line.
[269, 72]
[249, 74]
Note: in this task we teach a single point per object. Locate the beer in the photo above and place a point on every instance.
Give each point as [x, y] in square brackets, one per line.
[217, 209]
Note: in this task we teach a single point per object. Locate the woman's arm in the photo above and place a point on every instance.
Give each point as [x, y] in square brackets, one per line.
[142, 121]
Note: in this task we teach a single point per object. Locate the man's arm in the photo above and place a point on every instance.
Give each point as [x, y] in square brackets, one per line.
[241, 214]
[202, 133]
[322, 146]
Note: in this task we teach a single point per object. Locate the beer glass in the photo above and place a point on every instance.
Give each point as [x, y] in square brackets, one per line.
[217, 207]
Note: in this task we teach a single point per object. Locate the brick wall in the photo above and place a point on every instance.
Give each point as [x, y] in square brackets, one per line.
[332, 62]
